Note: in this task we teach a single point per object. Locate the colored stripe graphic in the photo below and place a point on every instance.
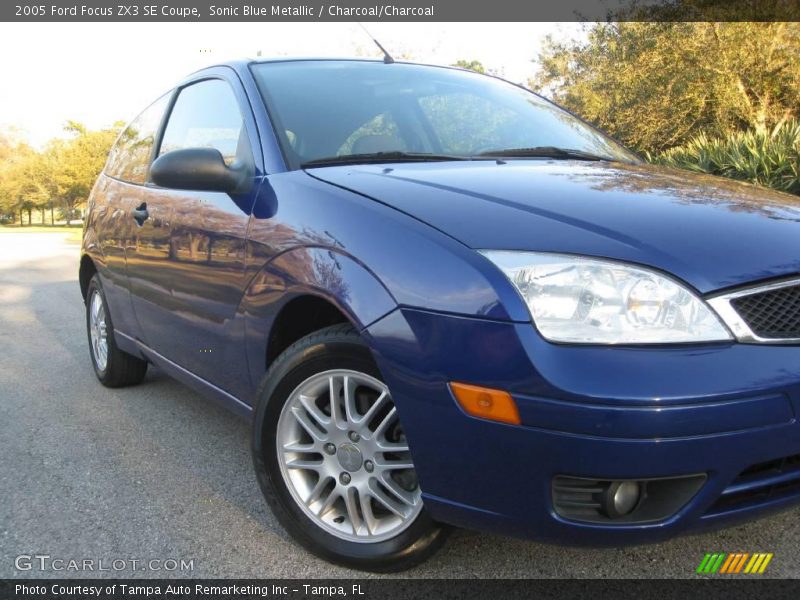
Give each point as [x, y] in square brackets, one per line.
[764, 564]
[711, 562]
[727, 564]
[718, 563]
[741, 562]
[735, 562]
[703, 563]
[754, 563]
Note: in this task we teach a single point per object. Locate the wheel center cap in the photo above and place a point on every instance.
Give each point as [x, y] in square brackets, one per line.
[349, 457]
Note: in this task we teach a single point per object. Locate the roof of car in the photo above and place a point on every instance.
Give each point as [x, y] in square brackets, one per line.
[262, 59]
[244, 63]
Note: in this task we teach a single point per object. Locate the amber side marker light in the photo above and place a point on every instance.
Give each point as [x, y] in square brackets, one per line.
[486, 403]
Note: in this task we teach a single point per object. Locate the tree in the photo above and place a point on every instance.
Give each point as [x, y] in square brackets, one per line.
[61, 175]
[8, 152]
[472, 65]
[20, 183]
[76, 163]
[656, 84]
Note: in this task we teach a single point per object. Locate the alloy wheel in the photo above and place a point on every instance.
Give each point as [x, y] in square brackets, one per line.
[344, 457]
[98, 331]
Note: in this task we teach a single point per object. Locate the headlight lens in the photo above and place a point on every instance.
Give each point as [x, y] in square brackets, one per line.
[591, 301]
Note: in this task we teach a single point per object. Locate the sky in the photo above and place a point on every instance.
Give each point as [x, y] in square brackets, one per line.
[98, 73]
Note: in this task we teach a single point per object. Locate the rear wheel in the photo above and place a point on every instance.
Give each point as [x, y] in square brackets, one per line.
[113, 367]
[332, 458]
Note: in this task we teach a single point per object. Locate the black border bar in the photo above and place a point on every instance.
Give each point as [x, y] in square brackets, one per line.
[106, 11]
[709, 588]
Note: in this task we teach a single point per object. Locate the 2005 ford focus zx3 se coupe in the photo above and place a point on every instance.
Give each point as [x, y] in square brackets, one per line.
[443, 300]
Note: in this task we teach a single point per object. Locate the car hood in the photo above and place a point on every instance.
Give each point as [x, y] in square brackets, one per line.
[711, 232]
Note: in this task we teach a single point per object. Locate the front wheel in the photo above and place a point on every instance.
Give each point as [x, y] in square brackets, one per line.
[332, 457]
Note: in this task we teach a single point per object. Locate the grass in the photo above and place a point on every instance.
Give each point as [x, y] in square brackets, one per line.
[768, 158]
[73, 232]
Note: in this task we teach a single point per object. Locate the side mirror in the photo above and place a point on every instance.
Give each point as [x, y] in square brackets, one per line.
[200, 169]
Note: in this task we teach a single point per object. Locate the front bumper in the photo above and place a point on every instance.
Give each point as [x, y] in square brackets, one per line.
[594, 412]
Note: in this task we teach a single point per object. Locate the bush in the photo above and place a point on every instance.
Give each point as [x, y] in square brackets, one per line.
[771, 159]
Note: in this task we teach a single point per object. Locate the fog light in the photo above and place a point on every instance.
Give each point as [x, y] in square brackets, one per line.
[621, 497]
[622, 502]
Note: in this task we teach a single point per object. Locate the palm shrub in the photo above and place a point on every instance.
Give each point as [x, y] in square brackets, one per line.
[768, 158]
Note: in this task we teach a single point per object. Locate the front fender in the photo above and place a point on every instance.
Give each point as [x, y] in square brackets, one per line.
[318, 271]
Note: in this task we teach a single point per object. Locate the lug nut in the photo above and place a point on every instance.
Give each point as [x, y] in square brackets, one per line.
[354, 437]
[344, 478]
[330, 449]
[368, 466]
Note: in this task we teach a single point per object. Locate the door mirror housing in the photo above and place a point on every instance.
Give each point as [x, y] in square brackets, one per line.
[202, 170]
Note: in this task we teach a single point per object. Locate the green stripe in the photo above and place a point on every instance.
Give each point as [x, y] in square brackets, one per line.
[718, 564]
[702, 567]
[711, 562]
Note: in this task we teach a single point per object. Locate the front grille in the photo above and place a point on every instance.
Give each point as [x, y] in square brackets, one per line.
[772, 314]
[761, 483]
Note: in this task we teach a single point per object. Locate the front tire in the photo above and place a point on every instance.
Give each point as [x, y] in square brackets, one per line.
[332, 460]
[113, 367]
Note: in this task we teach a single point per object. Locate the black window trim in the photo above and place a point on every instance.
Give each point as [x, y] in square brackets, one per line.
[160, 134]
[289, 156]
[176, 92]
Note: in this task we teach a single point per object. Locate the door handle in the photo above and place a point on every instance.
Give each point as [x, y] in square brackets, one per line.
[140, 214]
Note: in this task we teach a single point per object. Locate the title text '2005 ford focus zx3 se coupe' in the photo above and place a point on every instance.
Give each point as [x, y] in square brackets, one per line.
[443, 300]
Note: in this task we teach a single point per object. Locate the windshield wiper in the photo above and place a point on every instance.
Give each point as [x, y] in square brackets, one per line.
[544, 152]
[379, 157]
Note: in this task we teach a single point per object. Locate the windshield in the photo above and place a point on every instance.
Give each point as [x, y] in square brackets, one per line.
[326, 109]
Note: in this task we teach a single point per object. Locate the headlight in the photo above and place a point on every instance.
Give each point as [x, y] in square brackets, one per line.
[591, 301]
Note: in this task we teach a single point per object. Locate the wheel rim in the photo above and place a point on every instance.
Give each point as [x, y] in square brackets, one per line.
[98, 331]
[345, 459]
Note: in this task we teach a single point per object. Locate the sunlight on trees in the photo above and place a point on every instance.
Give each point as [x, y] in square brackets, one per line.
[55, 179]
[656, 85]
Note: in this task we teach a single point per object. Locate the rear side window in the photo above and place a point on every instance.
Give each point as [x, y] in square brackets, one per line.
[206, 115]
[130, 156]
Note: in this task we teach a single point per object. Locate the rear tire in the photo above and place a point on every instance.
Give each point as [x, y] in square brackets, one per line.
[343, 489]
[113, 367]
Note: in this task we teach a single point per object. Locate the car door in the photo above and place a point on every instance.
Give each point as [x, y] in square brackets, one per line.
[186, 297]
[116, 193]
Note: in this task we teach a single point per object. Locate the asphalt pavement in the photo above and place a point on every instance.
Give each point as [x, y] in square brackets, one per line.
[156, 472]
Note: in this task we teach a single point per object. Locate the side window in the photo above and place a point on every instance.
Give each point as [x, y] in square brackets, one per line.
[206, 115]
[130, 157]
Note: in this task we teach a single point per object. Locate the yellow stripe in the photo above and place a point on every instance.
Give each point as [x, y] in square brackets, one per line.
[749, 566]
[741, 562]
[758, 562]
[765, 563]
[727, 562]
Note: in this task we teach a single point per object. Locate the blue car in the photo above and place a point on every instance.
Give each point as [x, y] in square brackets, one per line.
[444, 301]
